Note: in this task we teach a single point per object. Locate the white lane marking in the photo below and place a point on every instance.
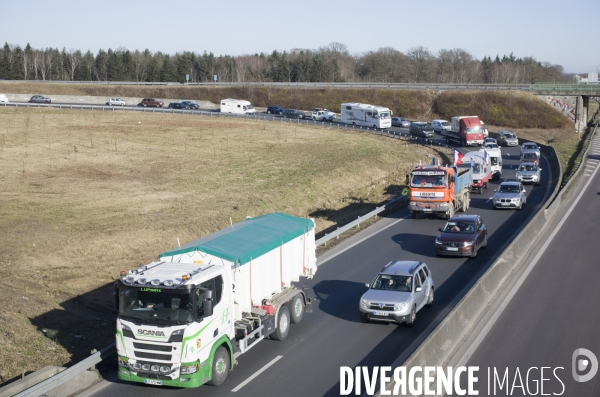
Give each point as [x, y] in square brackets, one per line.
[591, 166]
[362, 239]
[260, 371]
[486, 329]
[592, 161]
[586, 174]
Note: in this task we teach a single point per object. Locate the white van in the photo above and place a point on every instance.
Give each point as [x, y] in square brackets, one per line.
[237, 106]
[3, 98]
[439, 125]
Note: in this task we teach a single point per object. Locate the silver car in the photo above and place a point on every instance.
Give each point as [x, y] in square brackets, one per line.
[509, 195]
[530, 147]
[529, 173]
[507, 138]
[398, 292]
[400, 122]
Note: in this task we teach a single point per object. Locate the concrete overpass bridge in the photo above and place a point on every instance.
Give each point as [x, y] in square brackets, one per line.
[572, 99]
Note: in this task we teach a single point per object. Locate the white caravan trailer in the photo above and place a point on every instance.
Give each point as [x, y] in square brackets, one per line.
[366, 115]
[236, 106]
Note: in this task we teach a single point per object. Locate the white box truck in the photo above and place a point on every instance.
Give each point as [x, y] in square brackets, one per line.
[237, 106]
[366, 115]
[183, 320]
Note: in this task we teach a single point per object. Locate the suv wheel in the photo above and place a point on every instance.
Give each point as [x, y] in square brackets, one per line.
[412, 317]
[429, 298]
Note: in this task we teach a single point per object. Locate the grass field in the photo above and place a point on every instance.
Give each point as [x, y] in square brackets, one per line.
[86, 194]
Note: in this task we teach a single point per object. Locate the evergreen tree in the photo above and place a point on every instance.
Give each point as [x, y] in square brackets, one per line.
[127, 62]
[168, 72]
[5, 72]
[153, 70]
[101, 66]
[115, 67]
[16, 70]
[28, 63]
[284, 68]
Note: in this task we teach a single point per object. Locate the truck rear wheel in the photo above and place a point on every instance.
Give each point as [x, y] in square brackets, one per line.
[220, 366]
[296, 308]
[283, 324]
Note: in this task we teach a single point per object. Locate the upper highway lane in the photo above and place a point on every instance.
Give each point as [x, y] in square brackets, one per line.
[307, 363]
[556, 310]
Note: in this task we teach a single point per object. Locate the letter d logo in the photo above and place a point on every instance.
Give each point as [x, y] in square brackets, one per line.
[581, 364]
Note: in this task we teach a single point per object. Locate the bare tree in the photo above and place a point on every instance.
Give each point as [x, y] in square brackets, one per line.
[73, 60]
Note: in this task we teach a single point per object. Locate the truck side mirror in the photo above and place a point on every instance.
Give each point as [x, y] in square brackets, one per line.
[116, 296]
[208, 303]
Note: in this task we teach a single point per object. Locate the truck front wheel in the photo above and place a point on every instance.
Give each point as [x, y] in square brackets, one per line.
[296, 308]
[283, 324]
[220, 366]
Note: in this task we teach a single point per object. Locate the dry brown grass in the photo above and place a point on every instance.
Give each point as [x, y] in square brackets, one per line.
[86, 194]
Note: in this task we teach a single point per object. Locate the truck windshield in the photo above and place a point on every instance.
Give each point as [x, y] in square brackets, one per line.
[392, 282]
[428, 181]
[474, 130]
[384, 115]
[477, 168]
[494, 160]
[155, 305]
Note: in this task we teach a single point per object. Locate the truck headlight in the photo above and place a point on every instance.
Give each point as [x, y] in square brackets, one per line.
[365, 304]
[186, 370]
[123, 362]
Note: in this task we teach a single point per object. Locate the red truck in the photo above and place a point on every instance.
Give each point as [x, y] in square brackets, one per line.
[465, 131]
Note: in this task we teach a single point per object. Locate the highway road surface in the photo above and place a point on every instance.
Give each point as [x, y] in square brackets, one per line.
[308, 362]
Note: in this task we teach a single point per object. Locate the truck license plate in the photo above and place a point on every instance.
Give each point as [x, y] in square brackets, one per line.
[451, 248]
[153, 382]
[378, 313]
[427, 209]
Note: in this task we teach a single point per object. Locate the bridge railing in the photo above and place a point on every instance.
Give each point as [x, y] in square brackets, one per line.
[570, 88]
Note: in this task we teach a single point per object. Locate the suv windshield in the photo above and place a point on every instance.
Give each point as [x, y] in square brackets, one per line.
[508, 189]
[392, 282]
[528, 167]
[530, 146]
[155, 305]
[509, 135]
[445, 123]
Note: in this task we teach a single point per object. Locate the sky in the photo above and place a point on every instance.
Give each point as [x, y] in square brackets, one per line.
[558, 32]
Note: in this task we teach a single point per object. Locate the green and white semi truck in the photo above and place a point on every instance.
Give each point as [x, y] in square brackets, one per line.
[184, 319]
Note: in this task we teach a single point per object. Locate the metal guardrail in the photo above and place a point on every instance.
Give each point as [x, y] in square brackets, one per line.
[413, 86]
[96, 358]
[67, 374]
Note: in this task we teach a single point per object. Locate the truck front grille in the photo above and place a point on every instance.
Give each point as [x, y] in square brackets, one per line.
[153, 356]
[146, 346]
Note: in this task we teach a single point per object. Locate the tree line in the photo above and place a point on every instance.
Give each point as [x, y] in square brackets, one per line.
[331, 63]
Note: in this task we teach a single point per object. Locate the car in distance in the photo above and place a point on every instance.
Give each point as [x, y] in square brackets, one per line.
[293, 114]
[178, 105]
[490, 140]
[530, 147]
[398, 292]
[440, 125]
[529, 173]
[152, 102]
[530, 157]
[463, 235]
[116, 102]
[421, 129]
[507, 138]
[275, 110]
[3, 98]
[509, 194]
[190, 104]
[400, 122]
[321, 115]
[39, 99]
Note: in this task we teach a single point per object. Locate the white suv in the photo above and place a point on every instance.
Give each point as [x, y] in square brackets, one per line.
[400, 290]
[320, 114]
[440, 125]
[3, 98]
[116, 102]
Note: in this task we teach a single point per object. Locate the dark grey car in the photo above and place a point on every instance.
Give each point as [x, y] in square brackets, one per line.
[421, 129]
[293, 114]
[398, 292]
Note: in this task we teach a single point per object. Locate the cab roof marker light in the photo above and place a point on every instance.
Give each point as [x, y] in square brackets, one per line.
[142, 281]
[155, 282]
[168, 283]
[130, 279]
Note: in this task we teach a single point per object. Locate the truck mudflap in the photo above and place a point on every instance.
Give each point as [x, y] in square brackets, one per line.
[307, 300]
